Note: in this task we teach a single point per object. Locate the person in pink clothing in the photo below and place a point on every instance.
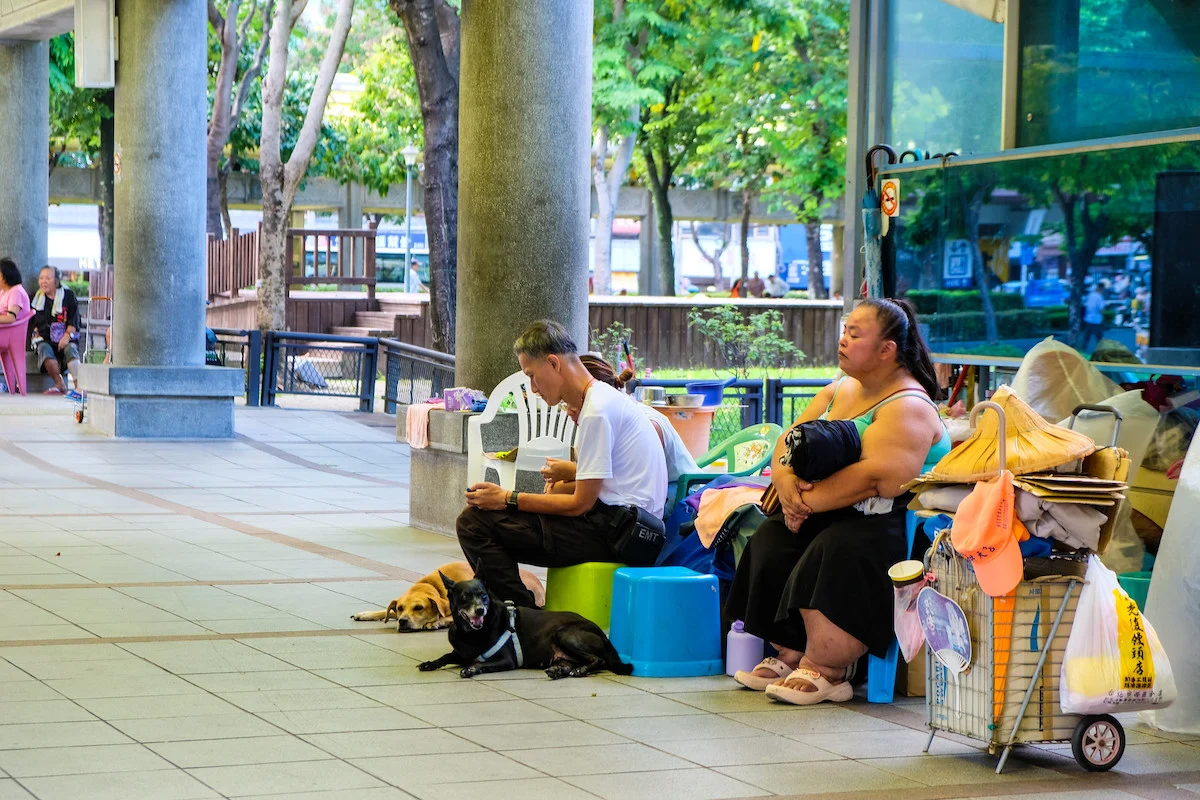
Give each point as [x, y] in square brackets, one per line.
[14, 300]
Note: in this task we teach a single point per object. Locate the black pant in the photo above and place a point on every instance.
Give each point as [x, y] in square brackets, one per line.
[494, 542]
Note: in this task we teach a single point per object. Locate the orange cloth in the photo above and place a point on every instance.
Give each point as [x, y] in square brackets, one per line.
[983, 534]
[717, 504]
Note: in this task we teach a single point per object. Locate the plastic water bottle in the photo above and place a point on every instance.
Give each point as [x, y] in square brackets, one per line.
[743, 650]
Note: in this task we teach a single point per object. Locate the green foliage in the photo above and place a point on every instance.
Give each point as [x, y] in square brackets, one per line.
[608, 344]
[944, 301]
[75, 114]
[746, 342]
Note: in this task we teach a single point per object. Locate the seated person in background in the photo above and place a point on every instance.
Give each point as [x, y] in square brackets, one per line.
[500, 528]
[560, 474]
[813, 579]
[55, 329]
[14, 300]
[776, 286]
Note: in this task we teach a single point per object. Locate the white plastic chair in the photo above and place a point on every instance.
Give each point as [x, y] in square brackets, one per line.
[535, 421]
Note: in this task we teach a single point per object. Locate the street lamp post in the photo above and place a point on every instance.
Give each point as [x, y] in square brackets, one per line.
[410, 160]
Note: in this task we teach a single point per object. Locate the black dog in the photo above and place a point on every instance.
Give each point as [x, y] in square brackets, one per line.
[489, 636]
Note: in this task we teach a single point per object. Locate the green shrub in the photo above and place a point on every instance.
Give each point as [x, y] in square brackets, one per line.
[947, 301]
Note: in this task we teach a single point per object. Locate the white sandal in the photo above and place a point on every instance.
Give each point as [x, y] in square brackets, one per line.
[758, 682]
[834, 692]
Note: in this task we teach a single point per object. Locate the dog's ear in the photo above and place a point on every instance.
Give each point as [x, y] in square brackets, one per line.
[449, 584]
[391, 611]
[443, 606]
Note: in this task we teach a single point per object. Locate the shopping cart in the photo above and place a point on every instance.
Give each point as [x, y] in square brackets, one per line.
[1009, 694]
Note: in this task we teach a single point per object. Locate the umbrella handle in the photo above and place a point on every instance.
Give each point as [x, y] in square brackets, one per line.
[1002, 431]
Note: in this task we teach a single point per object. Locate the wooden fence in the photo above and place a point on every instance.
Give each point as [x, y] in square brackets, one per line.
[664, 336]
[341, 256]
[306, 314]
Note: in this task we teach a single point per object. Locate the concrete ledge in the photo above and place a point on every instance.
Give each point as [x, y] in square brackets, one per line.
[162, 402]
[438, 480]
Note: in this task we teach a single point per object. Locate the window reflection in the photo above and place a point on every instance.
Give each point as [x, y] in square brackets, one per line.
[1040, 234]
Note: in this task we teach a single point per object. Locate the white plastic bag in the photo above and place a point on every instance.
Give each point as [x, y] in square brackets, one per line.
[907, 624]
[1114, 660]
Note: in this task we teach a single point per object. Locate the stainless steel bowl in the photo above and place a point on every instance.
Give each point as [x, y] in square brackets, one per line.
[685, 400]
[650, 395]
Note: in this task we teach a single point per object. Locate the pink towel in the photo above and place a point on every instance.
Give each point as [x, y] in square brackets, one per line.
[416, 423]
[717, 504]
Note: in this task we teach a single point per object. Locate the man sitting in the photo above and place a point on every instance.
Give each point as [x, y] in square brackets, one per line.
[55, 329]
[619, 465]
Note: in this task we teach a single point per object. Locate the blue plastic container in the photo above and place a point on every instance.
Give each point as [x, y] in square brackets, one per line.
[713, 391]
[666, 621]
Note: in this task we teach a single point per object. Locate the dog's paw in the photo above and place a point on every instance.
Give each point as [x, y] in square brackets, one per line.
[580, 672]
[469, 672]
[428, 666]
[556, 671]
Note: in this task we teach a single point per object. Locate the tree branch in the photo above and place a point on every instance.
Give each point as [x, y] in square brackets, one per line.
[244, 28]
[297, 12]
[255, 66]
[214, 16]
[307, 141]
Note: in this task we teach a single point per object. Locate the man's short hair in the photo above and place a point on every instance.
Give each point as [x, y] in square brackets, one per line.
[544, 338]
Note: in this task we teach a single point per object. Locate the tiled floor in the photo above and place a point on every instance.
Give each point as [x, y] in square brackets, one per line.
[174, 623]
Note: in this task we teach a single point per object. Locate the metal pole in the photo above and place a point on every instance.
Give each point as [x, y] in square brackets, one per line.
[408, 287]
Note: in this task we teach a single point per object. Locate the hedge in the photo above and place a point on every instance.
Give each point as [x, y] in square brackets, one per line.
[1024, 323]
[944, 301]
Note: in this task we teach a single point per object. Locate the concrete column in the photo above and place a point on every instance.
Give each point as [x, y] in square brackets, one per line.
[158, 385]
[24, 139]
[524, 187]
[648, 254]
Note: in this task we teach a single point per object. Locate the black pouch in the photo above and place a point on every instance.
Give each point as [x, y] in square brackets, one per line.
[638, 536]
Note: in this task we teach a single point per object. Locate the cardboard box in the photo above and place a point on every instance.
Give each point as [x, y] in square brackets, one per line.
[910, 678]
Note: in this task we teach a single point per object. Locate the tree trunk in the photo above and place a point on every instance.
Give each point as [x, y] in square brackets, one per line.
[666, 243]
[273, 270]
[747, 197]
[978, 271]
[816, 262]
[608, 193]
[108, 141]
[433, 41]
[715, 257]
[223, 177]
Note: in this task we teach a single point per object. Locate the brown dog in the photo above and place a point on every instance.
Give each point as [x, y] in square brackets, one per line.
[426, 607]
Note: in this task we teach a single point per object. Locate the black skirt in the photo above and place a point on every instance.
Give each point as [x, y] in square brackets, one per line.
[836, 564]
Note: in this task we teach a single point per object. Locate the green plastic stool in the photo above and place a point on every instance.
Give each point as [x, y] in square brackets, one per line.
[584, 588]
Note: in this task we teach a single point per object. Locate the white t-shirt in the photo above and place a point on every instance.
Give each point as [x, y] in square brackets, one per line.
[618, 446]
[679, 460]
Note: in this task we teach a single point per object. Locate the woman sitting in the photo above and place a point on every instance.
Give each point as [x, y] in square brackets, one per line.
[559, 473]
[813, 580]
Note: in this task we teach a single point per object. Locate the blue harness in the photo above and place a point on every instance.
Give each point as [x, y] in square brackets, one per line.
[509, 635]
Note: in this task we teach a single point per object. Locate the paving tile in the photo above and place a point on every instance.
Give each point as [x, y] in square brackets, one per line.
[728, 701]
[158, 784]
[181, 729]
[1081, 794]
[289, 778]
[407, 772]
[342, 720]
[746, 750]
[543, 688]
[655, 729]
[378, 793]
[816, 777]
[238, 752]
[491, 713]
[387, 676]
[532, 735]
[29, 691]
[156, 706]
[1148, 759]
[60, 734]
[597, 759]
[42, 711]
[80, 760]
[961, 769]
[589, 708]
[408, 695]
[186, 658]
[299, 700]
[376, 744]
[141, 686]
[883, 744]
[281, 680]
[101, 669]
[111, 630]
[525, 789]
[11, 790]
[811, 719]
[695, 784]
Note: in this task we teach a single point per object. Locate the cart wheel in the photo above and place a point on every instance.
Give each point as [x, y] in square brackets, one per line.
[79, 415]
[1098, 743]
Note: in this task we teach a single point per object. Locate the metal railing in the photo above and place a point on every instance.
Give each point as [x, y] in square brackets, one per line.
[413, 374]
[322, 365]
[243, 350]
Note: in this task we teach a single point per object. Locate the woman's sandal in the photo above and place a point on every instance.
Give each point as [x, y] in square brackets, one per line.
[834, 692]
[758, 682]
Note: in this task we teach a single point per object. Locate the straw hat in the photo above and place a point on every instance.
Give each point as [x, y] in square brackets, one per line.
[1033, 444]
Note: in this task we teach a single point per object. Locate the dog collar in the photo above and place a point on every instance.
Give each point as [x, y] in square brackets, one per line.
[509, 635]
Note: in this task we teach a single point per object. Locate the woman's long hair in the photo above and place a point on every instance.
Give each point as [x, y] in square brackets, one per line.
[898, 322]
[604, 372]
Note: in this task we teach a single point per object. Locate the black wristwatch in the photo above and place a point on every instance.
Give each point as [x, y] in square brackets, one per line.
[512, 501]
